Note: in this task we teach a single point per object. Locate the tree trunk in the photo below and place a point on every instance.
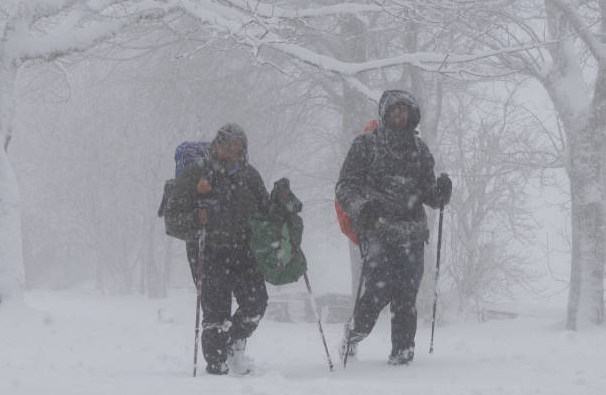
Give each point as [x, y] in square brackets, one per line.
[599, 108]
[11, 253]
[583, 119]
[353, 123]
[586, 294]
[168, 249]
[156, 287]
[12, 275]
[355, 112]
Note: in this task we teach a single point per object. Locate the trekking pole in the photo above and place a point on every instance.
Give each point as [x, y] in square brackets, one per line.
[198, 284]
[197, 331]
[435, 300]
[349, 329]
[314, 307]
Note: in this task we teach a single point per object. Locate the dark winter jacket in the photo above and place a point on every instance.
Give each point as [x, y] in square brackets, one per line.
[234, 198]
[393, 168]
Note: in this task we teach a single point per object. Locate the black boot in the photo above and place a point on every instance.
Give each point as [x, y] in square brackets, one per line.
[401, 357]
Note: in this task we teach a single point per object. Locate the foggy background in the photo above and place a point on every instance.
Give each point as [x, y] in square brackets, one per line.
[95, 130]
[97, 142]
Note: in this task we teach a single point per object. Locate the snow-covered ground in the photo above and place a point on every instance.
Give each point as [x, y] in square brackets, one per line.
[76, 342]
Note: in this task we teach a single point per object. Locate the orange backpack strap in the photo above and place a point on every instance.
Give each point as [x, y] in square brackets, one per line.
[345, 221]
[346, 224]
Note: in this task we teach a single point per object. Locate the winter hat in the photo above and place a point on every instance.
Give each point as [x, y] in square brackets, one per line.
[395, 96]
[232, 131]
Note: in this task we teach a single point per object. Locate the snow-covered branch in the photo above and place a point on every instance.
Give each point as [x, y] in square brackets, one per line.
[595, 46]
[272, 12]
[82, 27]
[85, 23]
[240, 20]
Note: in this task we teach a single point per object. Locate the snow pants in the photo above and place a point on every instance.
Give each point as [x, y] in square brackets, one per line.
[391, 274]
[223, 272]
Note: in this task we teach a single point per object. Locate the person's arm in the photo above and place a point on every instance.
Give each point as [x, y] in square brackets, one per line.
[259, 191]
[427, 179]
[352, 187]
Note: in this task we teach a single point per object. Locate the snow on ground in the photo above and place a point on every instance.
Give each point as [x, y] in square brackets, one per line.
[76, 342]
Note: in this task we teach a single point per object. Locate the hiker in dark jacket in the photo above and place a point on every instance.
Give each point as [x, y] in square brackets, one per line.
[220, 195]
[386, 178]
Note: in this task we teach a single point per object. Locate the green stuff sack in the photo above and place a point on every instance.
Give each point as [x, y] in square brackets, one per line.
[276, 246]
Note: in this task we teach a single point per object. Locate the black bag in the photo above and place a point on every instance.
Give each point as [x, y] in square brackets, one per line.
[169, 185]
[186, 153]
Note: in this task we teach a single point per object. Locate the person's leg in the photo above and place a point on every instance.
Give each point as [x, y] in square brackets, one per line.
[407, 276]
[251, 295]
[375, 293]
[216, 286]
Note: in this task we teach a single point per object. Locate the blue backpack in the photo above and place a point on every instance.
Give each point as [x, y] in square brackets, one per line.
[186, 153]
[190, 151]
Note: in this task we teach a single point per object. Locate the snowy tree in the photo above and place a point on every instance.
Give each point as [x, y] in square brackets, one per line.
[44, 30]
[494, 151]
[289, 38]
[569, 61]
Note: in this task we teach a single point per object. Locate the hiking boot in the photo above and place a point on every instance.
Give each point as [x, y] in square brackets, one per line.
[237, 360]
[402, 357]
[218, 368]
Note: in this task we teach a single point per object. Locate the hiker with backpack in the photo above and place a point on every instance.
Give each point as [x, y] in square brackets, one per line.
[210, 206]
[386, 178]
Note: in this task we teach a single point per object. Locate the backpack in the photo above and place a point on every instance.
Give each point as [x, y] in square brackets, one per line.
[190, 151]
[276, 237]
[345, 221]
[185, 154]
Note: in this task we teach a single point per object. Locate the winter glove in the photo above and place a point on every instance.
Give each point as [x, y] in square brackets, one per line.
[279, 193]
[282, 199]
[444, 189]
[370, 213]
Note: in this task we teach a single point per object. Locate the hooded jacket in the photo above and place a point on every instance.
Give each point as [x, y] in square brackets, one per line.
[394, 168]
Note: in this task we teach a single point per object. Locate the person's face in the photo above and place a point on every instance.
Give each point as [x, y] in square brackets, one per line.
[231, 151]
[397, 117]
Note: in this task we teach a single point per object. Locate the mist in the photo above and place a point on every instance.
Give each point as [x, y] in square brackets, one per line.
[95, 96]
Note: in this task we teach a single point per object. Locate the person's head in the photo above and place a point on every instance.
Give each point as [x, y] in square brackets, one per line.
[230, 145]
[398, 110]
